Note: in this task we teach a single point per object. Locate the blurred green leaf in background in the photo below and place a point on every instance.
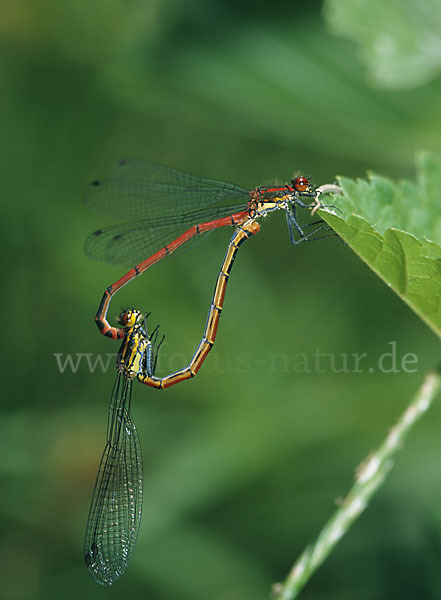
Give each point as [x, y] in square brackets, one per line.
[400, 41]
[243, 463]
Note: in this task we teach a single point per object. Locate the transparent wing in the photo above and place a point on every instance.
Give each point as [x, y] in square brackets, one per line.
[134, 242]
[115, 511]
[146, 190]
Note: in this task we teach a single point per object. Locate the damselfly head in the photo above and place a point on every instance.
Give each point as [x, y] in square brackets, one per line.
[130, 317]
[302, 184]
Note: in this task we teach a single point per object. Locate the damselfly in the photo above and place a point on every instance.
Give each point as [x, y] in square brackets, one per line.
[143, 190]
[162, 202]
[115, 510]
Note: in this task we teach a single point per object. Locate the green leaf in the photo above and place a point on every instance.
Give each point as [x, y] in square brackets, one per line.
[399, 40]
[396, 229]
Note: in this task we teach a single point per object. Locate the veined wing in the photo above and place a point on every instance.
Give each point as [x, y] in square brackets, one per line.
[115, 511]
[134, 242]
[143, 189]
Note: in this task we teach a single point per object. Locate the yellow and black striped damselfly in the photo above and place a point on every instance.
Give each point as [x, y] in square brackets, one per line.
[116, 507]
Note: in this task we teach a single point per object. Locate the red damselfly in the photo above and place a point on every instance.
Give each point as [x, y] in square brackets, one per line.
[162, 202]
[143, 191]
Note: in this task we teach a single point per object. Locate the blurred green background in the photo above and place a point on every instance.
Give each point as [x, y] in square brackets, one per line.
[244, 463]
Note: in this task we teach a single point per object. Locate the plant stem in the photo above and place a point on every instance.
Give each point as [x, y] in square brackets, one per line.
[369, 477]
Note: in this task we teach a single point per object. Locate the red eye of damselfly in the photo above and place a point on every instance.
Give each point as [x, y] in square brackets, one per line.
[301, 184]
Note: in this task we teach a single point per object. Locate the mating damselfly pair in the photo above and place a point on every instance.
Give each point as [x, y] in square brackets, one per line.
[164, 210]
